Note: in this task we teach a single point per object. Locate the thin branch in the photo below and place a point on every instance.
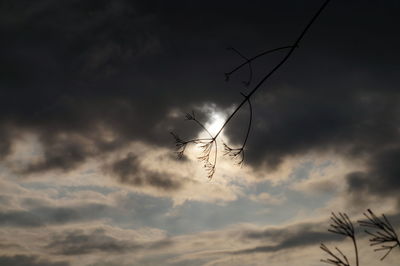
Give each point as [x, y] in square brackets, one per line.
[239, 152]
[342, 225]
[383, 233]
[269, 74]
[207, 146]
[181, 144]
[192, 116]
[250, 121]
[205, 157]
[249, 60]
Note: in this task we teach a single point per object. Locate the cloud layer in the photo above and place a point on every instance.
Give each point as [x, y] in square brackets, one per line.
[90, 91]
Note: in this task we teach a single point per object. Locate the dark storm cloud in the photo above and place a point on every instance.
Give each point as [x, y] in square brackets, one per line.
[354, 123]
[5, 143]
[71, 69]
[78, 242]
[344, 99]
[381, 178]
[129, 171]
[62, 154]
[55, 61]
[28, 260]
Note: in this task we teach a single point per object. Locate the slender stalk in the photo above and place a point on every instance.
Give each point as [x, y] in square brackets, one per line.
[250, 121]
[208, 146]
[205, 129]
[382, 234]
[341, 225]
[355, 249]
[290, 52]
[249, 60]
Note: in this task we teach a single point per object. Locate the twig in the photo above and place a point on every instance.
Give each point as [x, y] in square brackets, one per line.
[239, 152]
[249, 60]
[290, 52]
[208, 146]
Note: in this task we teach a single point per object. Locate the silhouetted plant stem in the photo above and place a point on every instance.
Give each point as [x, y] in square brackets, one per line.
[383, 233]
[341, 225]
[250, 121]
[192, 116]
[239, 152]
[355, 249]
[249, 60]
[291, 50]
[208, 146]
[335, 259]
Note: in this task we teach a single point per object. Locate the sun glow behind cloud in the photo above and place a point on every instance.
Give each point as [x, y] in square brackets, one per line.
[215, 123]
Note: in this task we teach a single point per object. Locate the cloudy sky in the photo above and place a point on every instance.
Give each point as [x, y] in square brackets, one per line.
[90, 91]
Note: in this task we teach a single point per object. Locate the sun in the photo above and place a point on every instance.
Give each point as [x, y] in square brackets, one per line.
[215, 122]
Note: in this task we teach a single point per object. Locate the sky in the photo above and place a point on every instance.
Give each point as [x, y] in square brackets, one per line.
[91, 90]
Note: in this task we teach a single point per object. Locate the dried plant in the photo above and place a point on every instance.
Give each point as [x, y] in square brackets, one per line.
[207, 145]
[210, 144]
[341, 225]
[383, 233]
[248, 62]
[335, 259]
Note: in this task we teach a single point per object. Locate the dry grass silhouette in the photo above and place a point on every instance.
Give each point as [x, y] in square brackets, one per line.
[341, 225]
[382, 234]
[381, 231]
